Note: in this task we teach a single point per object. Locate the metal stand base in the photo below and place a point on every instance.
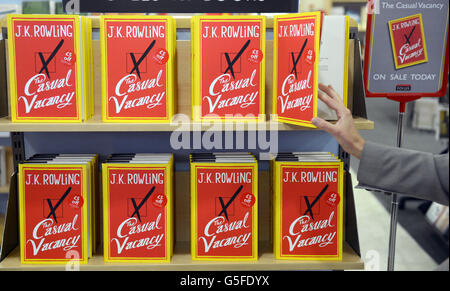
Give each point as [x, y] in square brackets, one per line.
[394, 205]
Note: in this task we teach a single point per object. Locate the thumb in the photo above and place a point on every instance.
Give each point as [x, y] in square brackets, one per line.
[323, 125]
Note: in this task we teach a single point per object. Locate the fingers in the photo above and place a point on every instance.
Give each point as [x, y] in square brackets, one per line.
[324, 125]
[330, 91]
[332, 99]
[328, 101]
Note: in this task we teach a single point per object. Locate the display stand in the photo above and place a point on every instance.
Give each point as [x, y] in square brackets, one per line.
[395, 199]
[407, 23]
[84, 137]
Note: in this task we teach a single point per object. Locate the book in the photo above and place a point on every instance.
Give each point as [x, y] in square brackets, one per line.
[333, 60]
[296, 67]
[409, 46]
[93, 162]
[57, 209]
[50, 68]
[138, 208]
[224, 207]
[307, 207]
[138, 65]
[228, 68]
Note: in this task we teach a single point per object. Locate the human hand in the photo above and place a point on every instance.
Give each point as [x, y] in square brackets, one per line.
[344, 131]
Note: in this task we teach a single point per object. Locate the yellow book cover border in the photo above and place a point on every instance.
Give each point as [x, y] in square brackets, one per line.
[347, 54]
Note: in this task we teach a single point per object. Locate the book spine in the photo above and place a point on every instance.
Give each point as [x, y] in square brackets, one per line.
[195, 67]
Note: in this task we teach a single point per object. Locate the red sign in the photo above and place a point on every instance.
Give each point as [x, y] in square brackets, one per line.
[225, 211]
[137, 213]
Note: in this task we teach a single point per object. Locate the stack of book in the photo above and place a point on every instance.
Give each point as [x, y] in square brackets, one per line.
[228, 67]
[57, 208]
[50, 68]
[138, 208]
[138, 68]
[224, 207]
[307, 203]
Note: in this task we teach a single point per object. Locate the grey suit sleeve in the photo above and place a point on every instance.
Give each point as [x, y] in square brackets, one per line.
[407, 172]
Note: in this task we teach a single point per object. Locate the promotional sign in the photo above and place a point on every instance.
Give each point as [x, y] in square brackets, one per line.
[50, 68]
[308, 205]
[224, 218]
[137, 204]
[406, 55]
[138, 65]
[228, 77]
[296, 67]
[54, 213]
[180, 6]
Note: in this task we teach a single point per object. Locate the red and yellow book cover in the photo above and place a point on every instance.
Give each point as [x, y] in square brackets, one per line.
[54, 224]
[408, 41]
[296, 67]
[224, 218]
[228, 72]
[45, 60]
[138, 65]
[137, 207]
[308, 206]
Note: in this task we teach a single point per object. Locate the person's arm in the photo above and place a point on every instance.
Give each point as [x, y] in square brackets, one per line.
[413, 173]
[401, 171]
